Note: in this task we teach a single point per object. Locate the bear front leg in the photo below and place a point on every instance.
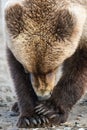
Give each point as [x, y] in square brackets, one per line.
[25, 94]
[68, 90]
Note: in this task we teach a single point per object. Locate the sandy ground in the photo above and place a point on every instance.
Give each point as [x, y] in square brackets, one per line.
[76, 121]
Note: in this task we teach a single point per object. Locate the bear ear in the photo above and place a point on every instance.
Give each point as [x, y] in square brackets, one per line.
[14, 19]
[65, 24]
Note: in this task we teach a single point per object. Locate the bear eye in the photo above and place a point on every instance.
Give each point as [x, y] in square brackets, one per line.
[64, 25]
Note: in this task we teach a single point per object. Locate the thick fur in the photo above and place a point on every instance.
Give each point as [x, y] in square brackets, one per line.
[22, 83]
[43, 36]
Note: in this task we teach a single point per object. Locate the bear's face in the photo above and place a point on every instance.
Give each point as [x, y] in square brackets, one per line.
[43, 84]
[43, 34]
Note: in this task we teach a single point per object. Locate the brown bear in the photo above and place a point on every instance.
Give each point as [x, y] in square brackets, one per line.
[47, 55]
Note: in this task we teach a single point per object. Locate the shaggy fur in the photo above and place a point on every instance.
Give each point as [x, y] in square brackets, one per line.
[43, 36]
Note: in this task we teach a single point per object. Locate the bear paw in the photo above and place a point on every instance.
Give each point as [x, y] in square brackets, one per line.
[54, 117]
[32, 122]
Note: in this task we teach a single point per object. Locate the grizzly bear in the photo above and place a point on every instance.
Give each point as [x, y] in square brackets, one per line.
[46, 43]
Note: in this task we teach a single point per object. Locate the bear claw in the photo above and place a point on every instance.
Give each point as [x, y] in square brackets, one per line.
[34, 121]
[38, 106]
[25, 122]
[42, 110]
[51, 115]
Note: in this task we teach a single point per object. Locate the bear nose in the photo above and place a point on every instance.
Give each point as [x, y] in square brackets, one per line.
[42, 90]
[42, 87]
[42, 98]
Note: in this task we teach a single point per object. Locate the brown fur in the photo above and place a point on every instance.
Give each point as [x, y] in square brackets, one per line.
[22, 84]
[37, 41]
[42, 35]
